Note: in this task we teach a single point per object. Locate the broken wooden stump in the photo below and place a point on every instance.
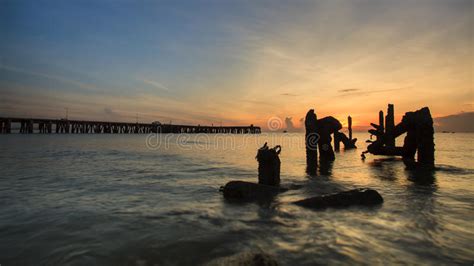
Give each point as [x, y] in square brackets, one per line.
[326, 127]
[269, 165]
[362, 196]
[348, 143]
[419, 139]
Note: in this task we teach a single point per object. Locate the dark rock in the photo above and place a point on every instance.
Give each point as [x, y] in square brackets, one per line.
[242, 190]
[362, 196]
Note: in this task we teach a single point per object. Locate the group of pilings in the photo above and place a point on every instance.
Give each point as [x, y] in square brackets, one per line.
[208, 129]
[318, 140]
[419, 139]
[348, 141]
[383, 131]
[46, 126]
[5, 126]
[101, 128]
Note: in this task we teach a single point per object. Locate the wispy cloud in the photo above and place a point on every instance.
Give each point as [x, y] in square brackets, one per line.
[75, 83]
[360, 92]
[348, 90]
[155, 84]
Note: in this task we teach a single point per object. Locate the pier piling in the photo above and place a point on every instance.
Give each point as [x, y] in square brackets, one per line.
[63, 126]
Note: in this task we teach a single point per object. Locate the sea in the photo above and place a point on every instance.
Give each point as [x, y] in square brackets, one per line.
[118, 199]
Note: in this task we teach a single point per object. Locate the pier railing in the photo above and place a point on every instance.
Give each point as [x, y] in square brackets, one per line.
[65, 126]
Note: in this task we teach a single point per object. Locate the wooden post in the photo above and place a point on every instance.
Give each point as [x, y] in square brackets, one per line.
[390, 124]
[9, 126]
[30, 127]
[381, 128]
[311, 142]
[269, 165]
[349, 125]
[337, 141]
[325, 128]
[425, 137]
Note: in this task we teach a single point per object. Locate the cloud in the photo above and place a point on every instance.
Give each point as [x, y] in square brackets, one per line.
[155, 84]
[289, 94]
[290, 127]
[463, 122]
[108, 111]
[75, 83]
[359, 92]
[348, 90]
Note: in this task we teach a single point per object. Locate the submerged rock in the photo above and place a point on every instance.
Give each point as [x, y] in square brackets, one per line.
[361, 196]
[247, 259]
[242, 190]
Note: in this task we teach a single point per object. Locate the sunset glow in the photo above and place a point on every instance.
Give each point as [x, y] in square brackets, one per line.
[234, 62]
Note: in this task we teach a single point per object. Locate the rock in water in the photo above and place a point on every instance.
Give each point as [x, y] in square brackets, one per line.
[241, 190]
[362, 196]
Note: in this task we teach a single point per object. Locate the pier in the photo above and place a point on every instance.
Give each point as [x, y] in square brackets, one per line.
[65, 126]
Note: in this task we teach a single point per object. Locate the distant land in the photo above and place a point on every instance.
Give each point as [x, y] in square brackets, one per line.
[462, 122]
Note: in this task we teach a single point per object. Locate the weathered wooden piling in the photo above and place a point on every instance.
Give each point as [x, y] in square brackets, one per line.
[325, 128]
[381, 128]
[269, 165]
[390, 124]
[349, 126]
[337, 141]
[349, 142]
[311, 142]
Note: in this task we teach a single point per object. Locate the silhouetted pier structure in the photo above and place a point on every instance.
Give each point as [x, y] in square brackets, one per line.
[419, 139]
[46, 126]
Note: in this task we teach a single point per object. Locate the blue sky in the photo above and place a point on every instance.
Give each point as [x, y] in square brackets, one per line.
[235, 62]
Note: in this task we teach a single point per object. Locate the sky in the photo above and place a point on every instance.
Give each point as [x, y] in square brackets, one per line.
[234, 62]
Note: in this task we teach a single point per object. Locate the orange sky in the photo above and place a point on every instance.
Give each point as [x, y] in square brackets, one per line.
[237, 63]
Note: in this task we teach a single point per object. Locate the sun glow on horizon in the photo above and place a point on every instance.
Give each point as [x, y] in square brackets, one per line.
[246, 63]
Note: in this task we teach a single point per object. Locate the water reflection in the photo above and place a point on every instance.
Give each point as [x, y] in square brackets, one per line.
[385, 168]
[325, 167]
[422, 177]
[173, 214]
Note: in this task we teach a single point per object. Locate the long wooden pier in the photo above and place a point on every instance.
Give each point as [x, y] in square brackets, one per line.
[65, 126]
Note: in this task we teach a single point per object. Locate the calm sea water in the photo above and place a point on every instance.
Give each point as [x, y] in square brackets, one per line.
[116, 200]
